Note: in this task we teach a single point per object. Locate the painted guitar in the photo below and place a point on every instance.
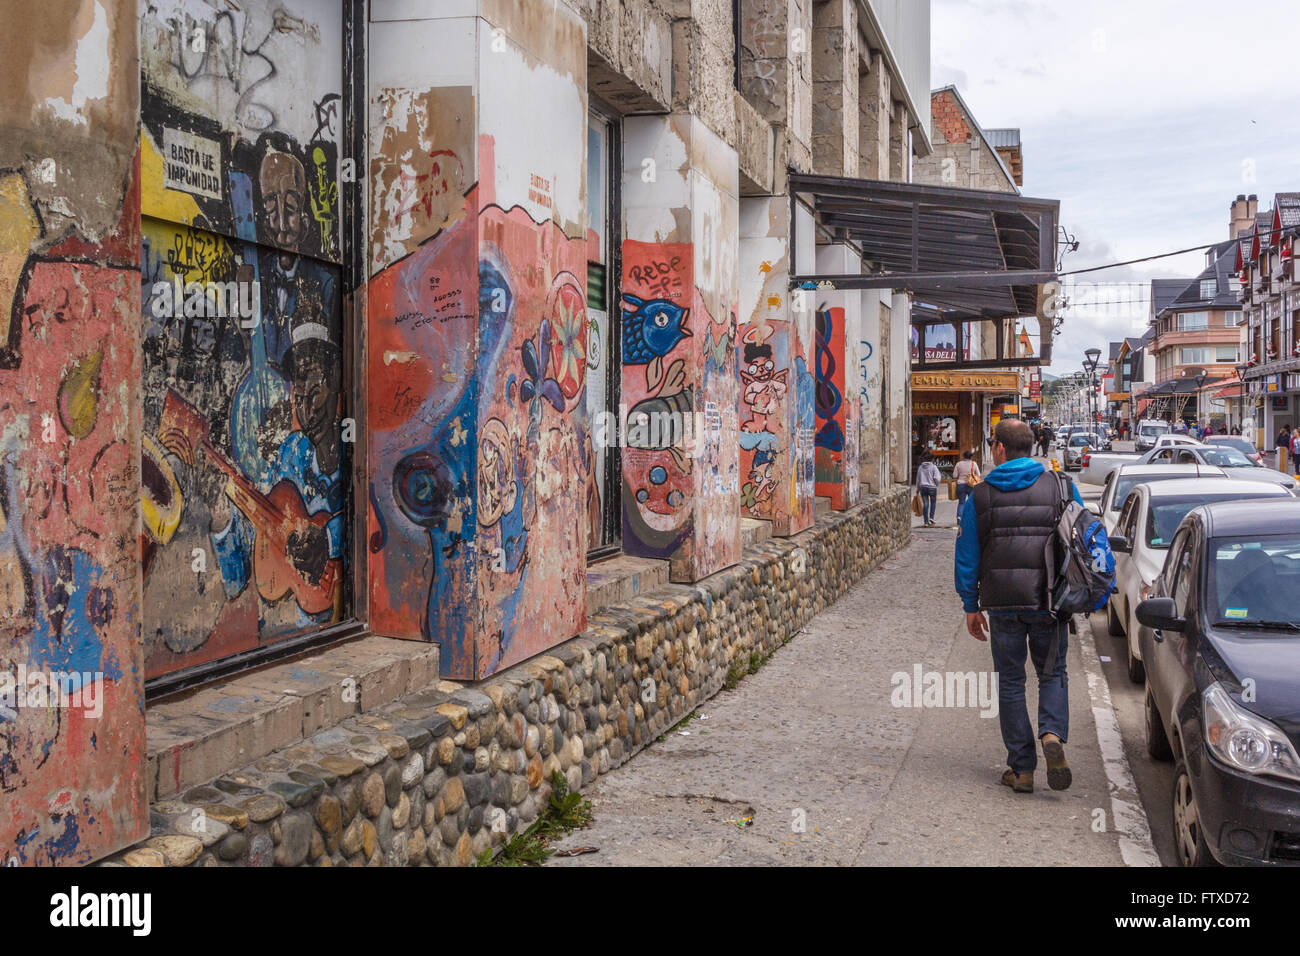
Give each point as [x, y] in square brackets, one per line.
[280, 518]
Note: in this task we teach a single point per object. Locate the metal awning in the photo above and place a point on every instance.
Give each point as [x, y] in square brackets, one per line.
[965, 255]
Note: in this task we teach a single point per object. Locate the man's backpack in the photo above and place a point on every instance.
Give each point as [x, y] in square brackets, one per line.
[1080, 566]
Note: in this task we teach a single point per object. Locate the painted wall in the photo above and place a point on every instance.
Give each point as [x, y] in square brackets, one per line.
[71, 696]
[477, 332]
[247, 446]
[839, 395]
[681, 481]
[777, 370]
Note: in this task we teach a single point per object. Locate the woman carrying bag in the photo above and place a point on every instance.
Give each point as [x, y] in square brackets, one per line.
[967, 475]
[927, 486]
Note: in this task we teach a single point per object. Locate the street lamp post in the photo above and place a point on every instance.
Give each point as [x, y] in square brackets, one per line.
[1092, 357]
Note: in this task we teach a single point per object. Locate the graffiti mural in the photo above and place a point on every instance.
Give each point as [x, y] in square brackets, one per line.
[71, 700]
[838, 403]
[478, 468]
[657, 336]
[246, 463]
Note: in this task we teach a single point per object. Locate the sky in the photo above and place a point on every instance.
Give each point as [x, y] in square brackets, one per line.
[1145, 118]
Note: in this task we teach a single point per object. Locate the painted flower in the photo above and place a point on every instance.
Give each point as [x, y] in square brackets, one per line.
[537, 385]
[747, 496]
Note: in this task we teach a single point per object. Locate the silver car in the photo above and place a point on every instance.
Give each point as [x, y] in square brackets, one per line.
[1150, 516]
[1234, 463]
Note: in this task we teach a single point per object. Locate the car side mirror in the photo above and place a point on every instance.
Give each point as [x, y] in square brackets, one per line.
[1119, 544]
[1161, 614]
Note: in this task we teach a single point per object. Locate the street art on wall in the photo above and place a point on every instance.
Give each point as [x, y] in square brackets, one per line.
[838, 406]
[246, 462]
[71, 698]
[478, 471]
[680, 388]
[778, 419]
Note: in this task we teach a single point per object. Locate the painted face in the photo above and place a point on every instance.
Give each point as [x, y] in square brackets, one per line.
[315, 396]
[284, 190]
[761, 371]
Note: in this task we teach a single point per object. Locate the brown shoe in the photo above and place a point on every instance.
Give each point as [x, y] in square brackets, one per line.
[1058, 769]
[1019, 782]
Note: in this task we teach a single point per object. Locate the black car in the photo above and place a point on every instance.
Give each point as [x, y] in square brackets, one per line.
[1221, 644]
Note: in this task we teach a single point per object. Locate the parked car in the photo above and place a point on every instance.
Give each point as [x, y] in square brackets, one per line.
[1243, 445]
[1126, 477]
[1146, 526]
[1221, 638]
[1233, 462]
[1097, 466]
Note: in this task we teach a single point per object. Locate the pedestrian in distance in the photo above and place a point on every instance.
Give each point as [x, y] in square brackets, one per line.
[1001, 568]
[967, 475]
[927, 486]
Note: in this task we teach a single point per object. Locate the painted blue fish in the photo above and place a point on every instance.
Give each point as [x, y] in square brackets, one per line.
[651, 328]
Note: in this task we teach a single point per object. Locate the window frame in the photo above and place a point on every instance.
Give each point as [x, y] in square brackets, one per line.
[611, 477]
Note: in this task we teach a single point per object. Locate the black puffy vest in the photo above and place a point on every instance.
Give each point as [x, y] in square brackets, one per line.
[1013, 528]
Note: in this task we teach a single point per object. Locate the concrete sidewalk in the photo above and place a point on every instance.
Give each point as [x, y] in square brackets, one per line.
[813, 740]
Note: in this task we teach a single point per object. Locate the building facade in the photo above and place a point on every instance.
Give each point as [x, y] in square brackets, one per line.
[1270, 296]
[953, 411]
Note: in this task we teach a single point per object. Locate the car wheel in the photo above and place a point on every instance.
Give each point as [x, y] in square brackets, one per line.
[1113, 623]
[1157, 740]
[1137, 672]
[1189, 835]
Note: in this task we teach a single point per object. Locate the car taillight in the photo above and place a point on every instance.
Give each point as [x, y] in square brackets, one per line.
[1085, 459]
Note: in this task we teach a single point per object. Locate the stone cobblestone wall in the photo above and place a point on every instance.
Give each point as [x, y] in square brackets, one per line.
[441, 775]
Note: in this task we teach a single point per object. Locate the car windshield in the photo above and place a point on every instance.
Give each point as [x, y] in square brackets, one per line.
[1084, 439]
[1153, 429]
[1166, 514]
[1226, 458]
[1243, 446]
[1253, 580]
[1125, 484]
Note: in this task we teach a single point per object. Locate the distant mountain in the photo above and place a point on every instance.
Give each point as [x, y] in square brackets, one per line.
[1049, 377]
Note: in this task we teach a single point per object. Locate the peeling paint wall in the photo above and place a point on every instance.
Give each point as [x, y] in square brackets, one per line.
[839, 395]
[71, 695]
[247, 441]
[777, 370]
[679, 314]
[477, 331]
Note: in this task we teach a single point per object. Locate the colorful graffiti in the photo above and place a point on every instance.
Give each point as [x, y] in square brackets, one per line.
[478, 477]
[658, 488]
[246, 478]
[837, 433]
[71, 699]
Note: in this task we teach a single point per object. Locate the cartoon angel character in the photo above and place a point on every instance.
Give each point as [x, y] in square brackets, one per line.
[764, 386]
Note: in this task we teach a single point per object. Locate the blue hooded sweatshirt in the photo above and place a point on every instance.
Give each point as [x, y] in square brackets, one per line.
[1013, 475]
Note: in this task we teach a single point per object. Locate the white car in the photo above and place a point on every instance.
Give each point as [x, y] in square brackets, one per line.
[1126, 477]
[1150, 516]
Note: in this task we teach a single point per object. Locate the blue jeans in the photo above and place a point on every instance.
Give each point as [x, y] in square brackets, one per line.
[1009, 634]
[963, 492]
[929, 499]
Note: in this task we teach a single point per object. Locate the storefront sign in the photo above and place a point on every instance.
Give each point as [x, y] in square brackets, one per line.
[967, 381]
[941, 406]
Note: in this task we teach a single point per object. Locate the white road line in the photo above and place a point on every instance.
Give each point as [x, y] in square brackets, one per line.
[1130, 820]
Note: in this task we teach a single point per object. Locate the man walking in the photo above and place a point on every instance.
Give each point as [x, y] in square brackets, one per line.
[1001, 568]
